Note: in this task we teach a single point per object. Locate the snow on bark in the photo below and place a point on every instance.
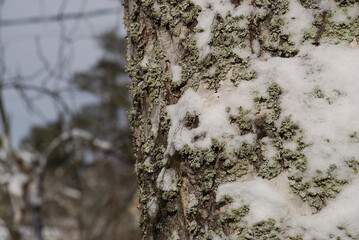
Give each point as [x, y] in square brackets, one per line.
[258, 131]
[320, 88]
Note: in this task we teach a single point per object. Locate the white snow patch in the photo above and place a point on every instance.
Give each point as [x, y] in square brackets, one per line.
[243, 53]
[144, 61]
[290, 145]
[152, 206]
[166, 180]
[343, 15]
[353, 11]
[269, 149]
[327, 5]
[339, 16]
[263, 200]
[299, 19]
[155, 119]
[327, 121]
[176, 73]
[213, 119]
[209, 10]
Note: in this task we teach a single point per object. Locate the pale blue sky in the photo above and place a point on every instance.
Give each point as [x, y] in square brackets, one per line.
[21, 56]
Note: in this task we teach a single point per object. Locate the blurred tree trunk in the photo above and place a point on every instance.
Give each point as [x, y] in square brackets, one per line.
[187, 57]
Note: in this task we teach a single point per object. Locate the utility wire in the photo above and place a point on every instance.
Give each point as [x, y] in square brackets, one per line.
[56, 18]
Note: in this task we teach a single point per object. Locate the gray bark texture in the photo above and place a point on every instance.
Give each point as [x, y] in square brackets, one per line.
[201, 154]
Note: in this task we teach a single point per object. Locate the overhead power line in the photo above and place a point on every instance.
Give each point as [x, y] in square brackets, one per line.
[56, 18]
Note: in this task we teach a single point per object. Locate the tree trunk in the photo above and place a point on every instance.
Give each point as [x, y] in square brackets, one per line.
[244, 118]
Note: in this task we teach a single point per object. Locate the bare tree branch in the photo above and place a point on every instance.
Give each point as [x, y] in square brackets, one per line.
[60, 17]
[76, 133]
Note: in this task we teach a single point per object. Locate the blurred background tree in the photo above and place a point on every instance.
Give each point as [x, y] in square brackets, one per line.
[72, 176]
[88, 193]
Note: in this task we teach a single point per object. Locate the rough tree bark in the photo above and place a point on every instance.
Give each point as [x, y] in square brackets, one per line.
[243, 117]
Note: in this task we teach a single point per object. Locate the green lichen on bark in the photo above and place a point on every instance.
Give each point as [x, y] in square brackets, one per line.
[353, 164]
[288, 129]
[229, 32]
[310, 4]
[198, 157]
[235, 215]
[172, 15]
[234, 219]
[262, 32]
[274, 40]
[263, 230]
[326, 29]
[150, 92]
[345, 3]
[215, 67]
[191, 120]
[243, 72]
[243, 121]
